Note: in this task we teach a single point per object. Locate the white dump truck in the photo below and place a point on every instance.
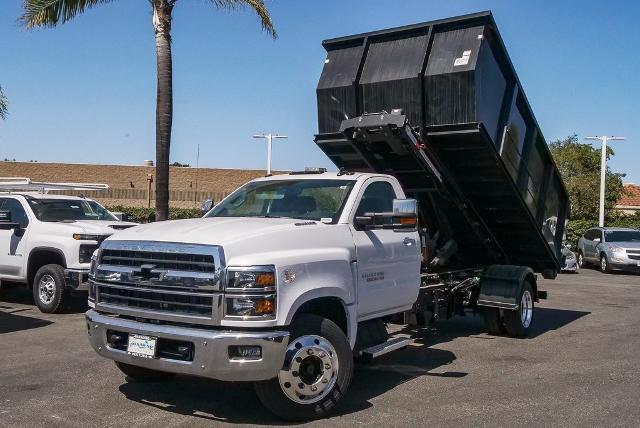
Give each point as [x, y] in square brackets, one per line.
[434, 212]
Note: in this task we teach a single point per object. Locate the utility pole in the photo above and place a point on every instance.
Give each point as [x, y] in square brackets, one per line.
[603, 170]
[269, 137]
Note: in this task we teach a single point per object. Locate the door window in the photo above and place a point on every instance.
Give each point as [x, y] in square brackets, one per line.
[18, 214]
[377, 198]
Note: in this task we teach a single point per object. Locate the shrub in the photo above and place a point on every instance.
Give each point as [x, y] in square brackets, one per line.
[147, 215]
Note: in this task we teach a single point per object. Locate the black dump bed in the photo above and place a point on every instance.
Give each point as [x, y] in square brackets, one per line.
[466, 143]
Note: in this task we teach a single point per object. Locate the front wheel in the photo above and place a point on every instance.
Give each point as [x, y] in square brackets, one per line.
[49, 290]
[580, 259]
[518, 323]
[604, 264]
[317, 371]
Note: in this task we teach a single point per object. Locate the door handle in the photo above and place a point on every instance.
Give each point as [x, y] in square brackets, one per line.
[408, 241]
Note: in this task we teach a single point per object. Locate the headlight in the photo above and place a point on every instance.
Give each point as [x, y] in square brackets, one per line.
[251, 306]
[253, 279]
[86, 252]
[618, 252]
[250, 292]
[89, 237]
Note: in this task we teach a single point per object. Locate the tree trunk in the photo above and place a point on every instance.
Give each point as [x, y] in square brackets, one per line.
[164, 103]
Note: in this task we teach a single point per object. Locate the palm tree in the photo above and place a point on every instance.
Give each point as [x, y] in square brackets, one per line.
[4, 104]
[49, 13]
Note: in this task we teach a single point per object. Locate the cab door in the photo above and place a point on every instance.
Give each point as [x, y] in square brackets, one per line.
[12, 257]
[388, 261]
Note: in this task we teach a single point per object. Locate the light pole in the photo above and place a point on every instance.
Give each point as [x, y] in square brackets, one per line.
[603, 170]
[269, 137]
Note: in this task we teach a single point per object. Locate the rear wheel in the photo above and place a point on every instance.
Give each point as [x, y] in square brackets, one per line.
[317, 371]
[49, 290]
[493, 321]
[518, 323]
[141, 374]
[580, 259]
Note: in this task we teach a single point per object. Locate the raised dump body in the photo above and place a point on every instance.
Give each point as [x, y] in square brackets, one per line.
[502, 199]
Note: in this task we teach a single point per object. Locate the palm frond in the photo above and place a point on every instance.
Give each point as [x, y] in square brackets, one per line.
[49, 13]
[258, 7]
[4, 105]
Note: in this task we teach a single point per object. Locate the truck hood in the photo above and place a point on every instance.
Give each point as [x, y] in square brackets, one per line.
[98, 227]
[212, 231]
[248, 241]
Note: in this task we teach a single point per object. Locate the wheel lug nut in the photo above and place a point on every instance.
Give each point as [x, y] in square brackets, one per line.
[324, 381]
[310, 351]
[294, 374]
[314, 388]
[301, 385]
[327, 366]
[322, 355]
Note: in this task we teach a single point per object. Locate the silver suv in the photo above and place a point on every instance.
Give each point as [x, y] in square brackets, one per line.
[613, 248]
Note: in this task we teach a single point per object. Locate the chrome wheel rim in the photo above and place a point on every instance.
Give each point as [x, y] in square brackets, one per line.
[526, 309]
[310, 369]
[579, 260]
[47, 289]
[603, 264]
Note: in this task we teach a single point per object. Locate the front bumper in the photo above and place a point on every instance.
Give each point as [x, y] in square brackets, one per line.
[627, 266]
[570, 266]
[78, 279]
[210, 355]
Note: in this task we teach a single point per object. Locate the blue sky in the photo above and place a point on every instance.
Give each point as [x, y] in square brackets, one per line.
[85, 92]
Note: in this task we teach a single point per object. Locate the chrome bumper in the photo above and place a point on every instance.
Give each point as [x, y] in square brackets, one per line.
[78, 279]
[210, 356]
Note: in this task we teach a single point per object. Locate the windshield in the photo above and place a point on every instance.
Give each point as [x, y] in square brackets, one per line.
[302, 199]
[69, 210]
[623, 236]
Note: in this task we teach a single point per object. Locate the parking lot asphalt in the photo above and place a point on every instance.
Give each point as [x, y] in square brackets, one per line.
[581, 367]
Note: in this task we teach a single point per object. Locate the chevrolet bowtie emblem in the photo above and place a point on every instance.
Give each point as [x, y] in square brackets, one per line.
[145, 271]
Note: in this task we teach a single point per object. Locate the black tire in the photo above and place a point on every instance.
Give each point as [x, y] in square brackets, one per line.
[581, 261]
[272, 395]
[604, 264]
[493, 322]
[141, 374]
[515, 323]
[50, 292]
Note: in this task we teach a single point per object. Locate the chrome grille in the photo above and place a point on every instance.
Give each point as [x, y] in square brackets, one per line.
[165, 281]
[167, 261]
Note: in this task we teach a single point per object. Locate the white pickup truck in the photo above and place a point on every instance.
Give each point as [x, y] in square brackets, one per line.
[46, 242]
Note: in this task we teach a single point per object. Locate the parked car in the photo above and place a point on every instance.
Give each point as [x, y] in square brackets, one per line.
[613, 248]
[570, 261]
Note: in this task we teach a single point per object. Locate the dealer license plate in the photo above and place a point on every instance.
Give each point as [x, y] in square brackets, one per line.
[142, 346]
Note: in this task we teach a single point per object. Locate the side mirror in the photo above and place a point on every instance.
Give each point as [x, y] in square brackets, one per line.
[404, 216]
[207, 204]
[7, 224]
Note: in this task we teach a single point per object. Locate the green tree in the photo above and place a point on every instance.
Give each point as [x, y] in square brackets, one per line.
[50, 13]
[4, 105]
[579, 165]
